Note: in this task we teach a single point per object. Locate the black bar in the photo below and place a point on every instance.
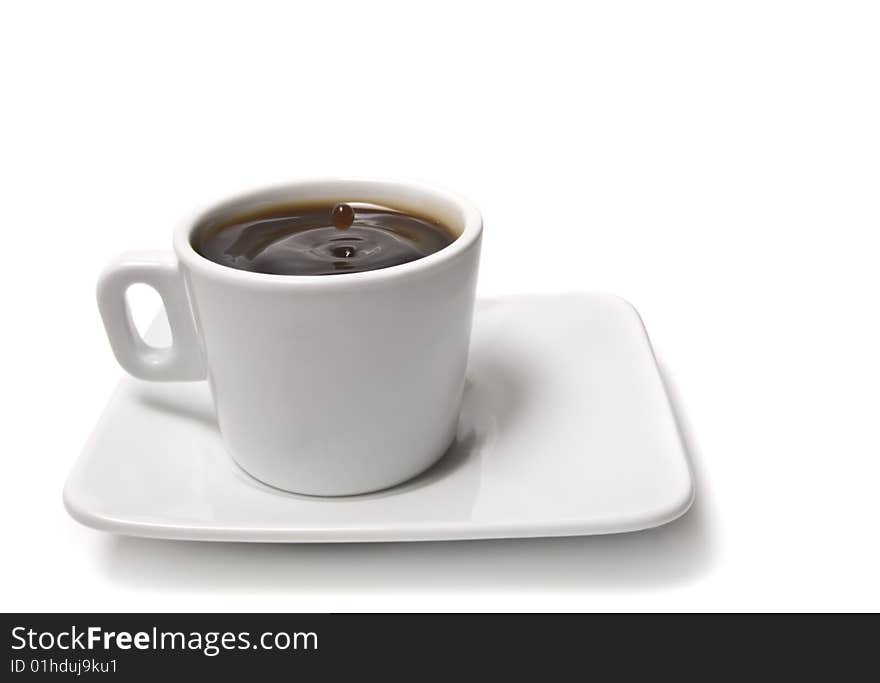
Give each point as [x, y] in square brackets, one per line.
[145, 646]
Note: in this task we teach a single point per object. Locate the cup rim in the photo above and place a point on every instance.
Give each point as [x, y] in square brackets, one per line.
[471, 222]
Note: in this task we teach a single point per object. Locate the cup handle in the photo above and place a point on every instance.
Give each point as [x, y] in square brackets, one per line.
[182, 360]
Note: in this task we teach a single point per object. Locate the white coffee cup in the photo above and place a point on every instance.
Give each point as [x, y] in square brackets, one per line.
[323, 384]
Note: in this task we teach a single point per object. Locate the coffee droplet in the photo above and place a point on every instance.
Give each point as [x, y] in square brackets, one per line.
[343, 252]
[342, 216]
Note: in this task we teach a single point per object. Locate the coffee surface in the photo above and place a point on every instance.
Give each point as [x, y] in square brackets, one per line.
[320, 239]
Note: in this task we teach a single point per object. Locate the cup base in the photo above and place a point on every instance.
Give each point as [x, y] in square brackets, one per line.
[333, 491]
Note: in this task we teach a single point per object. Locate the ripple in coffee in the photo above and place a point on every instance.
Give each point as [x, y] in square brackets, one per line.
[321, 239]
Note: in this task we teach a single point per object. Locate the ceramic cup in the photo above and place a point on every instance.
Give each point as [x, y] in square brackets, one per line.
[325, 384]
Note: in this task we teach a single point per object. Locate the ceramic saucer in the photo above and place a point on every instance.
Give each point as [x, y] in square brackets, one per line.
[565, 429]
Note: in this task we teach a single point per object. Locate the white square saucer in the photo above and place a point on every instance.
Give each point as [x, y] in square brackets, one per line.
[565, 430]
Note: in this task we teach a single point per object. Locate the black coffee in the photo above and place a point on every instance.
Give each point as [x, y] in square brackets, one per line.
[320, 239]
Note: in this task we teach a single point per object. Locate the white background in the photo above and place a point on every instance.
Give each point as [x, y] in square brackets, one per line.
[717, 164]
